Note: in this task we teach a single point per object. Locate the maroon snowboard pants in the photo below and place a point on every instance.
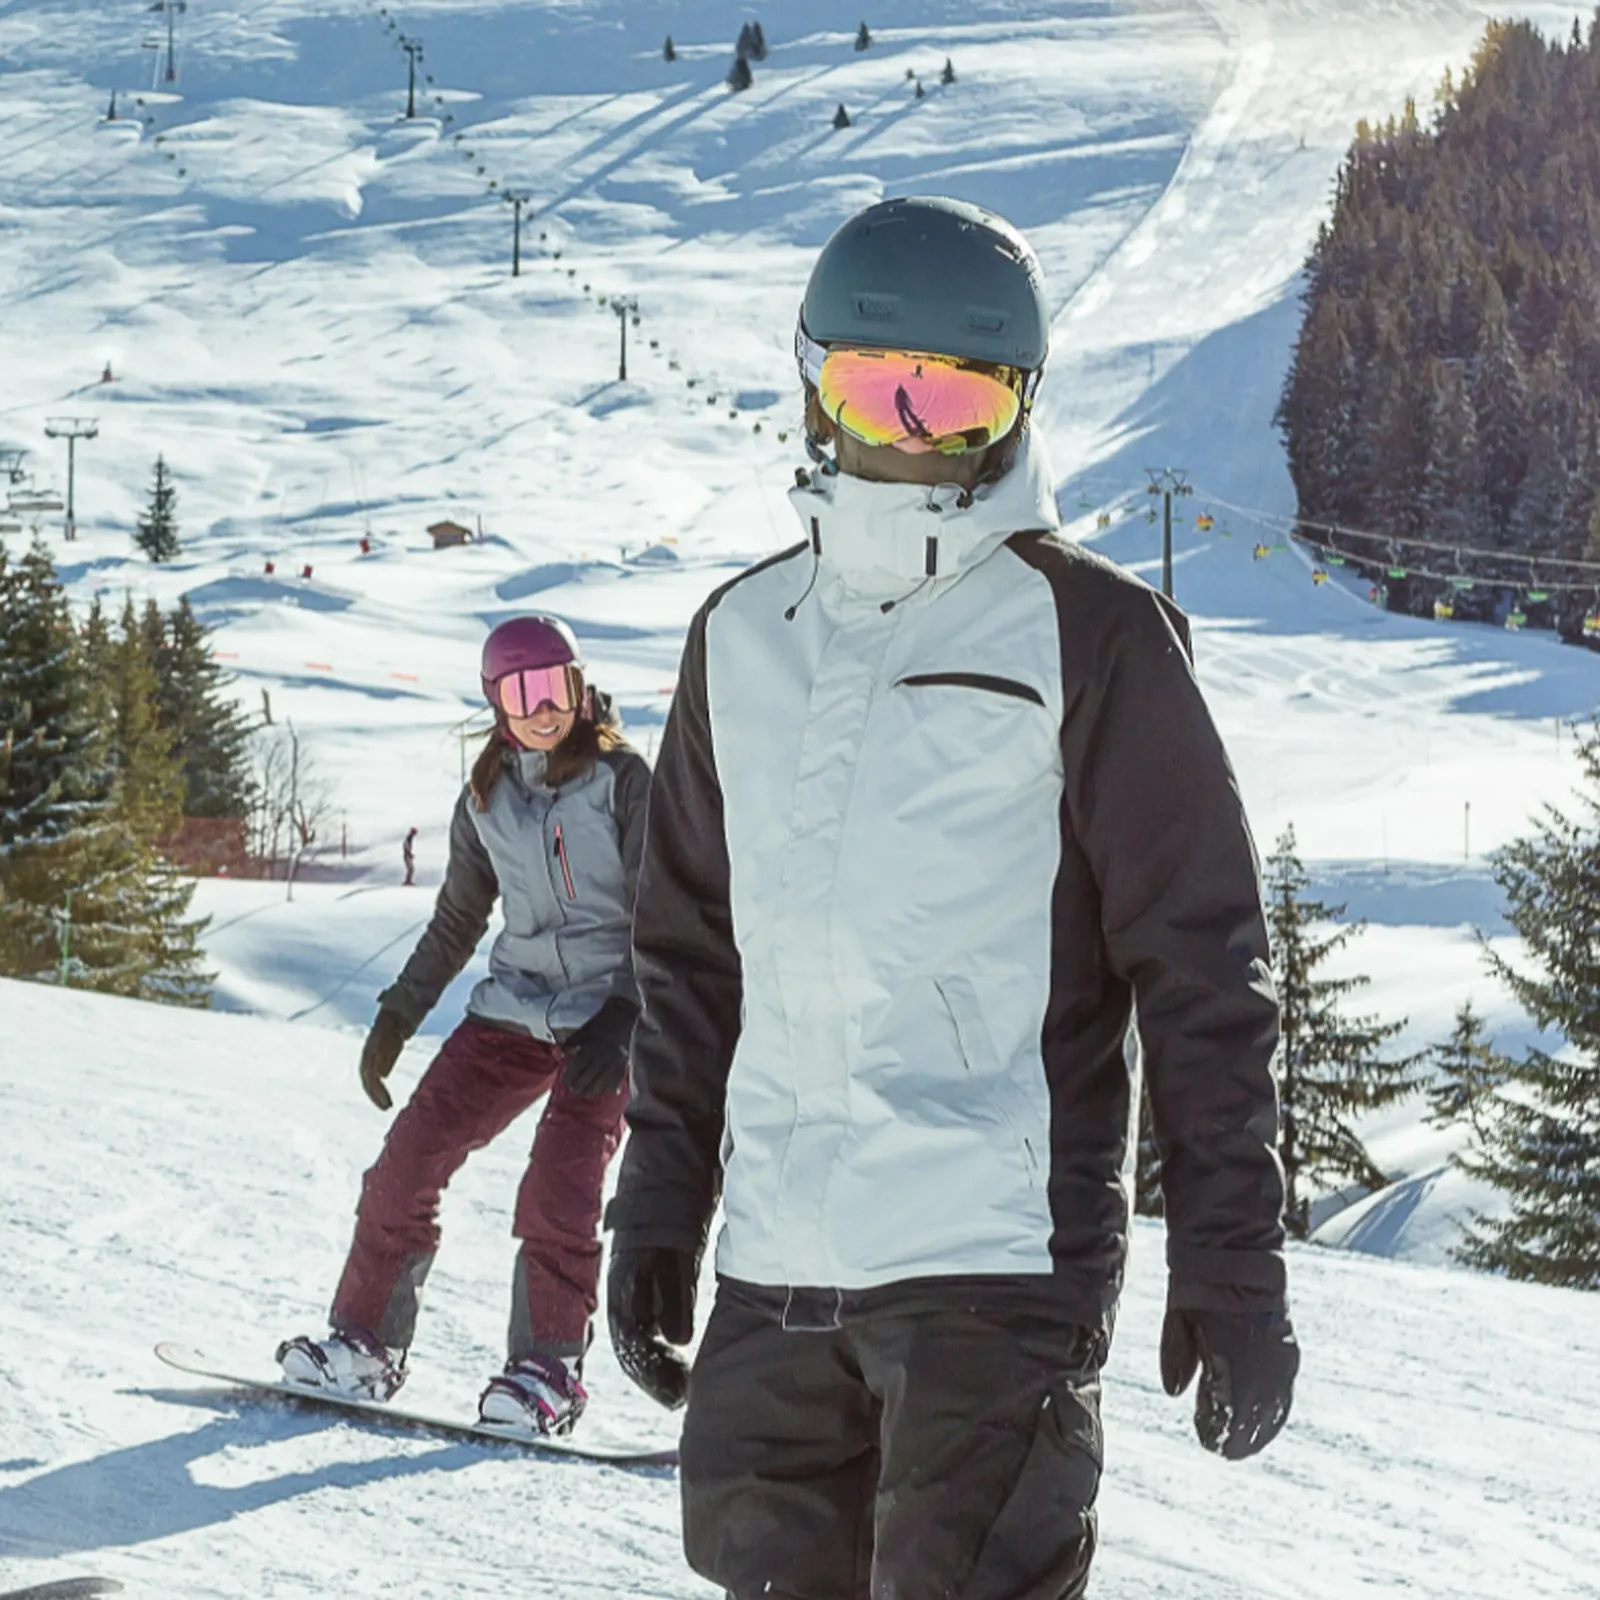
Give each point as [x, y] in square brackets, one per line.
[481, 1080]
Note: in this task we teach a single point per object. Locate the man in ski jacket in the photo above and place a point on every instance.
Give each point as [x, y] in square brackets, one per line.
[939, 812]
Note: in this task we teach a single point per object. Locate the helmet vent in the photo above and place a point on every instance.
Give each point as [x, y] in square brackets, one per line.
[986, 321]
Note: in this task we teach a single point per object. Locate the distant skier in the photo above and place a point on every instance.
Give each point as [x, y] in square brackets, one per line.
[552, 824]
[408, 853]
[938, 803]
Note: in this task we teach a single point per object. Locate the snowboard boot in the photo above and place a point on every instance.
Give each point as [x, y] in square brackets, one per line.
[538, 1394]
[349, 1362]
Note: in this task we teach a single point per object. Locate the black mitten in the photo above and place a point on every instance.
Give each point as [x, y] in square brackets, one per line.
[597, 1053]
[1247, 1361]
[650, 1294]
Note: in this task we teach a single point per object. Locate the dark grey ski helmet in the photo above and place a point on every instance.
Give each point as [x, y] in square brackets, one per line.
[930, 274]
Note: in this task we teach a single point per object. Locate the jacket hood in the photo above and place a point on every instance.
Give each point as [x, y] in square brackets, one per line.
[880, 540]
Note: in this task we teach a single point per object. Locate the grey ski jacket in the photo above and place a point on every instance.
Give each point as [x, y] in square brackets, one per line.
[564, 864]
[920, 838]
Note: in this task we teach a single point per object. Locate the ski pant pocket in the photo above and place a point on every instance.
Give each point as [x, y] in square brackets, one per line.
[1041, 1544]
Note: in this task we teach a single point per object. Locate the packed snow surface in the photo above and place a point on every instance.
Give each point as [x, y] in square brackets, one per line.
[191, 1176]
[303, 301]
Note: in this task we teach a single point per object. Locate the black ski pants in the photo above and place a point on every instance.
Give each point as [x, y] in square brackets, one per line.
[929, 1441]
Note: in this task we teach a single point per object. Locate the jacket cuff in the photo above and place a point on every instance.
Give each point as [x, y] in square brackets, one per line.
[1200, 1279]
[398, 1003]
[637, 1222]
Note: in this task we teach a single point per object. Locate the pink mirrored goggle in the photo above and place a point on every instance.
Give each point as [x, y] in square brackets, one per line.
[520, 694]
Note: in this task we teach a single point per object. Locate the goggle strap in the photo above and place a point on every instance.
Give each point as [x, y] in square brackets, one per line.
[808, 355]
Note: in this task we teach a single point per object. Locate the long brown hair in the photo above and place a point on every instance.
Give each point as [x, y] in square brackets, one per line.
[570, 759]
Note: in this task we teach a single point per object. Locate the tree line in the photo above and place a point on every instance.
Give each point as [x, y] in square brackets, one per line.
[1445, 385]
[1530, 1125]
[115, 731]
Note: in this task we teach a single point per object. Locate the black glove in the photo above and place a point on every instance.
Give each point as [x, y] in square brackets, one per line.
[597, 1053]
[650, 1304]
[1247, 1360]
[379, 1054]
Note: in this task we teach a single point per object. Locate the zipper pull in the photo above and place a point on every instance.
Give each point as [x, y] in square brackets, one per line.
[566, 870]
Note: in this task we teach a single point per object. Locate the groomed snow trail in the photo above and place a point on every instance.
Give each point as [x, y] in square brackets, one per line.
[191, 1176]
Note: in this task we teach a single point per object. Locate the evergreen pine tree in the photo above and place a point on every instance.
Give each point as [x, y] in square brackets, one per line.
[1541, 1145]
[863, 38]
[80, 895]
[669, 52]
[948, 76]
[1455, 507]
[1330, 1067]
[742, 48]
[149, 774]
[211, 733]
[739, 75]
[1499, 394]
[157, 532]
[1468, 1074]
[758, 42]
[841, 117]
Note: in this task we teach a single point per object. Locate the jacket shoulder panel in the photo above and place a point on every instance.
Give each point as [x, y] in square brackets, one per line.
[1093, 591]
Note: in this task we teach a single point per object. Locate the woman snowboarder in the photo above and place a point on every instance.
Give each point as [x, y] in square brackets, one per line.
[552, 824]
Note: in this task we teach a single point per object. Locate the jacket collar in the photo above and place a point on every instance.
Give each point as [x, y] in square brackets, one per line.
[881, 540]
[529, 766]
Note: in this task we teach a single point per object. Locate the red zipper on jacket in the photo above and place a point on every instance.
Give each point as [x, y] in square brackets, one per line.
[566, 871]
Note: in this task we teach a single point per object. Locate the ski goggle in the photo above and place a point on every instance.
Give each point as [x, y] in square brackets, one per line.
[921, 404]
[521, 693]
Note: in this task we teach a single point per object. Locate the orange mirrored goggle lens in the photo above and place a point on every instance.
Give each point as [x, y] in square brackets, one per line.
[921, 404]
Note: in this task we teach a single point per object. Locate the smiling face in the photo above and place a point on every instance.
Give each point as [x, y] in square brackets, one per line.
[543, 728]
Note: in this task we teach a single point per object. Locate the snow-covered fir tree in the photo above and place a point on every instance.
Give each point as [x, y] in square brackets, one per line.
[863, 38]
[157, 533]
[758, 42]
[669, 50]
[1540, 1144]
[739, 75]
[841, 117]
[1331, 1066]
[948, 76]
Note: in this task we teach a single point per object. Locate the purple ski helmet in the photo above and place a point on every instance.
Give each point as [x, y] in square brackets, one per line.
[525, 644]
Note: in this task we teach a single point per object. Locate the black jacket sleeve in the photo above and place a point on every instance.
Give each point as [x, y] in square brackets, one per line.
[1154, 804]
[690, 983]
[630, 809]
[460, 916]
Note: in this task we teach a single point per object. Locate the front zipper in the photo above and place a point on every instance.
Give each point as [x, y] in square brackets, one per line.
[566, 871]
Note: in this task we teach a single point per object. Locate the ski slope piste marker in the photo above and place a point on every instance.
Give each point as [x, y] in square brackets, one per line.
[64, 1589]
[386, 1413]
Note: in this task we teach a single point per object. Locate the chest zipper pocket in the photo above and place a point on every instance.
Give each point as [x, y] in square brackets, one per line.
[566, 869]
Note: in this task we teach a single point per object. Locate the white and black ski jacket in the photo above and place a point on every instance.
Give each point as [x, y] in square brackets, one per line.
[937, 802]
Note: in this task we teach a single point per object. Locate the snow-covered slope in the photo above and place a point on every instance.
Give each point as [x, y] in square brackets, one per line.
[192, 1176]
[305, 305]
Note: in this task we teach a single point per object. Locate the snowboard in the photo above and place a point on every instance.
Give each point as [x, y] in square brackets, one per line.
[64, 1589]
[385, 1413]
